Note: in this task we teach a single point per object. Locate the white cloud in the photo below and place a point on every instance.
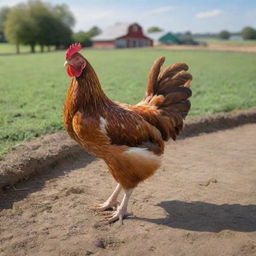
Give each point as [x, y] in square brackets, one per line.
[209, 14]
[85, 14]
[158, 10]
[87, 18]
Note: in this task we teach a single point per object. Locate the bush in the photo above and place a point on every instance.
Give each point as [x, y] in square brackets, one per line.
[224, 34]
[248, 33]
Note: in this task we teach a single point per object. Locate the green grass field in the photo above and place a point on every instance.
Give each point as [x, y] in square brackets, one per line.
[6, 48]
[33, 86]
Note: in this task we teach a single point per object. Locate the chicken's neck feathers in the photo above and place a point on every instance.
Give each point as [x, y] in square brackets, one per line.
[89, 96]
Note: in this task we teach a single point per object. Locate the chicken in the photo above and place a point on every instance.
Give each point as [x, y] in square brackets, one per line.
[130, 139]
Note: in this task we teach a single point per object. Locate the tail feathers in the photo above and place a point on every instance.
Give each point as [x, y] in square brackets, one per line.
[176, 95]
[164, 87]
[153, 76]
[168, 90]
[172, 70]
[160, 81]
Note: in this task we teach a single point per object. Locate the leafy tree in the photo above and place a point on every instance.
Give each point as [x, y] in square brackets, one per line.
[42, 18]
[63, 35]
[53, 22]
[248, 33]
[94, 31]
[20, 28]
[64, 21]
[187, 38]
[154, 29]
[224, 34]
[83, 38]
[3, 16]
[62, 13]
[40, 23]
[188, 33]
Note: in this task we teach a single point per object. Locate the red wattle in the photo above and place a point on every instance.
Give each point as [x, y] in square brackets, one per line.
[74, 71]
[69, 71]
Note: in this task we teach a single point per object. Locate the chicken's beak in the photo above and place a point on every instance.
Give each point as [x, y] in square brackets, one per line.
[66, 63]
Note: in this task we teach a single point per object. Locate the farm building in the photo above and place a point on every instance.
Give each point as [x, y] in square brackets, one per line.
[122, 36]
[164, 38]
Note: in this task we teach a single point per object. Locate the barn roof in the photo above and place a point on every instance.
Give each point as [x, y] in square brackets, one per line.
[156, 35]
[163, 36]
[111, 33]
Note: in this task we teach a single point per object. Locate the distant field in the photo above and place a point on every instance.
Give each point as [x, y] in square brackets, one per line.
[33, 86]
[231, 42]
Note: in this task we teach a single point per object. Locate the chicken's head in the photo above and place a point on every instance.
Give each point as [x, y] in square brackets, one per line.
[75, 62]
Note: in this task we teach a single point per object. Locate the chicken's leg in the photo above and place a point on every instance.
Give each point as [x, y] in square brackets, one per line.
[110, 202]
[121, 211]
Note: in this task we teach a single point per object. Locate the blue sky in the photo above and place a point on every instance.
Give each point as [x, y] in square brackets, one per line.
[171, 15]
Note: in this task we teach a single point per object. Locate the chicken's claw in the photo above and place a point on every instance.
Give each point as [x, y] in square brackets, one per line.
[119, 214]
[105, 206]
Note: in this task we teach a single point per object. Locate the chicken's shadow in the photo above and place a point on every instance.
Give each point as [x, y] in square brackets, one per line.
[201, 216]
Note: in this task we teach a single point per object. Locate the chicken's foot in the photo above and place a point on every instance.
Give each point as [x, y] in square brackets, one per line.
[111, 202]
[121, 212]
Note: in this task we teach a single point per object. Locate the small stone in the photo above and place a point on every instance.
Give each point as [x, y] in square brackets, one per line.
[88, 253]
[99, 243]
[208, 182]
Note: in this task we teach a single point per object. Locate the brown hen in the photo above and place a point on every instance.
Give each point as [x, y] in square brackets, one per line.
[130, 139]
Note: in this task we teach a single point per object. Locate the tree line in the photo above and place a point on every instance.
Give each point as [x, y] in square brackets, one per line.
[247, 33]
[39, 23]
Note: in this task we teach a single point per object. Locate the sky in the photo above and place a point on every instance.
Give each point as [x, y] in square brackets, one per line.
[197, 16]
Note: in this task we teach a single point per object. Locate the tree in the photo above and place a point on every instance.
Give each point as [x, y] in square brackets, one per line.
[187, 38]
[83, 38]
[248, 33]
[154, 29]
[62, 13]
[53, 23]
[94, 31]
[42, 18]
[40, 23]
[63, 35]
[64, 21]
[224, 34]
[3, 16]
[20, 28]
[188, 33]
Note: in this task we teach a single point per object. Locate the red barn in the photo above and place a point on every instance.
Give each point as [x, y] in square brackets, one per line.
[122, 36]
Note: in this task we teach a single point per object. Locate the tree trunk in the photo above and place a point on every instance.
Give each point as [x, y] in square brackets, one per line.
[42, 48]
[32, 46]
[48, 48]
[17, 48]
[57, 47]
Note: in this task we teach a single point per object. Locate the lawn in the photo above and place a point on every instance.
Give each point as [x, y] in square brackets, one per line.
[6, 48]
[33, 86]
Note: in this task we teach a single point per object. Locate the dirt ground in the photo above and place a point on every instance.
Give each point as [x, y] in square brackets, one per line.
[201, 202]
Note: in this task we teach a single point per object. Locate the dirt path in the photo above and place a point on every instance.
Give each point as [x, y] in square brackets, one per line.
[227, 47]
[201, 202]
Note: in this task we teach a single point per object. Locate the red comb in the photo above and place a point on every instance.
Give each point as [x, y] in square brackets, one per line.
[73, 48]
